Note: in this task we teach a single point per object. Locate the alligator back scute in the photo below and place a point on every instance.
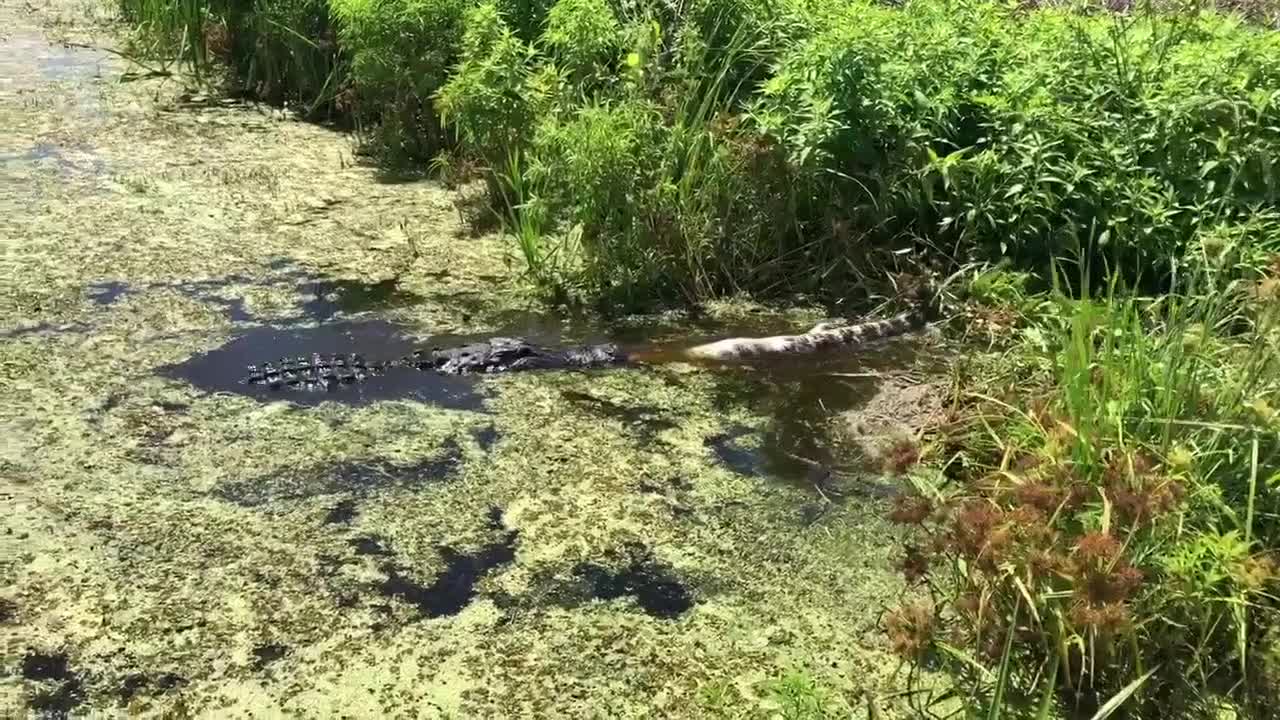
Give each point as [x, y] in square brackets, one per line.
[315, 372]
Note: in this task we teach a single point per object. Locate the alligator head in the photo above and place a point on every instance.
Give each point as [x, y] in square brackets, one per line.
[511, 354]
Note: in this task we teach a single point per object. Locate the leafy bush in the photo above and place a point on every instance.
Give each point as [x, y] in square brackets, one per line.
[486, 96]
[1031, 137]
[584, 37]
[401, 53]
[1159, 126]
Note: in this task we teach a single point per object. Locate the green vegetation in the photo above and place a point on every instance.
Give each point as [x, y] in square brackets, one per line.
[281, 51]
[1095, 522]
[1101, 508]
[776, 145]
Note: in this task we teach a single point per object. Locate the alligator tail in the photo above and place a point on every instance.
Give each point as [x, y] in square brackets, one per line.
[821, 338]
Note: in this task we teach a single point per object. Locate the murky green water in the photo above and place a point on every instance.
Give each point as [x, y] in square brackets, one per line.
[634, 542]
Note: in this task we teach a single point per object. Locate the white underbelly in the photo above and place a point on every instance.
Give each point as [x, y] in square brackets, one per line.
[740, 348]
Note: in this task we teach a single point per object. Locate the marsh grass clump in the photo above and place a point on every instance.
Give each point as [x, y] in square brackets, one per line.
[1111, 534]
[280, 51]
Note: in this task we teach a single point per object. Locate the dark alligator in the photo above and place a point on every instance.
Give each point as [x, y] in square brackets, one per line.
[505, 354]
[498, 354]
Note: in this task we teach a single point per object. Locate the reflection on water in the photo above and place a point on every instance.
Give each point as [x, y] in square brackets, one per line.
[799, 397]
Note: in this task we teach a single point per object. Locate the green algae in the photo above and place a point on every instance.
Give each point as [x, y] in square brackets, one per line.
[125, 549]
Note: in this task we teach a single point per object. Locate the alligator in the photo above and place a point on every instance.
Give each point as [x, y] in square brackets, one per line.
[499, 354]
[513, 354]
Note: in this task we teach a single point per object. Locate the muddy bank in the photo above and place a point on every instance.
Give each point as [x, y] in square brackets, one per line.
[630, 541]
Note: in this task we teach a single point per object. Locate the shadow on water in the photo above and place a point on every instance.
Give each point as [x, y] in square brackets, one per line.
[107, 293]
[149, 684]
[43, 328]
[486, 437]
[331, 297]
[267, 653]
[455, 587]
[326, 298]
[212, 292]
[59, 690]
[728, 450]
[342, 513]
[646, 420]
[653, 587]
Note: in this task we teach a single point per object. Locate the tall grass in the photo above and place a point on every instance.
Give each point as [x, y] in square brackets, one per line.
[1102, 523]
[281, 51]
[171, 30]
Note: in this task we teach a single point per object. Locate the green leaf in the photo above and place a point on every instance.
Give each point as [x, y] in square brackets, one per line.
[1006, 663]
[1119, 698]
[1050, 684]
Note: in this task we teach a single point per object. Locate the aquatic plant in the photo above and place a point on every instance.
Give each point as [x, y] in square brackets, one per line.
[1095, 528]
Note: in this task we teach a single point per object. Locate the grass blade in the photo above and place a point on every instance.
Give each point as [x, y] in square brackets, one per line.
[1121, 697]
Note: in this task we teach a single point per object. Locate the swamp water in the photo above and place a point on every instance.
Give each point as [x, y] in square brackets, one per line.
[632, 542]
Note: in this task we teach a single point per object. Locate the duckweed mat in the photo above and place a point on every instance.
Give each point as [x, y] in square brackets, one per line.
[635, 543]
